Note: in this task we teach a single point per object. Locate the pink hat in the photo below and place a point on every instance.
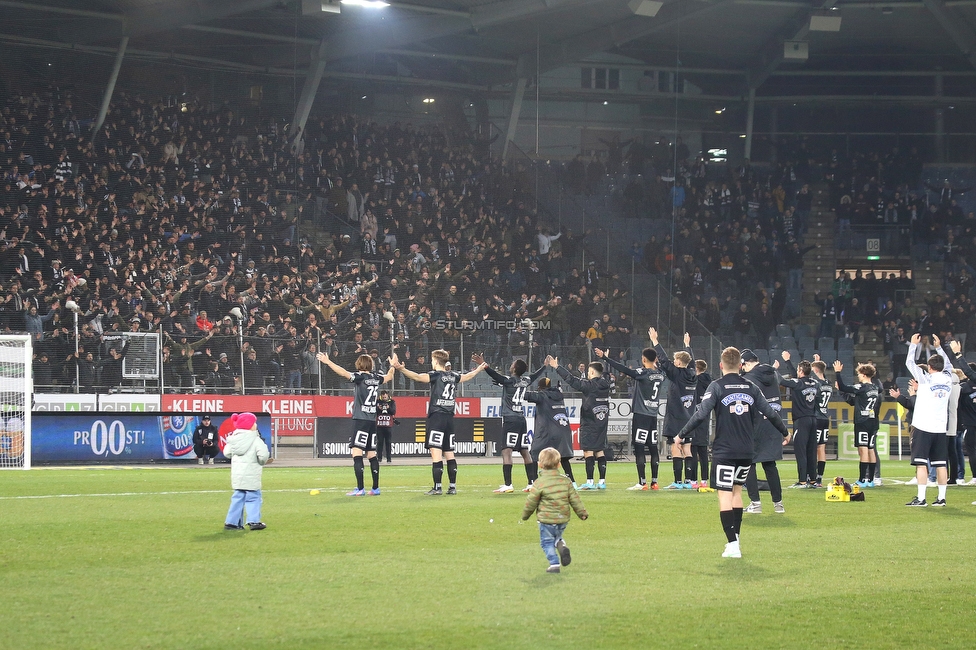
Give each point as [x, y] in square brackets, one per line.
[243, 420]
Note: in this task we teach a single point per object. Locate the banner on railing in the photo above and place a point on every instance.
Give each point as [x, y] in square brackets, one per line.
[65, 402]
[123, 437]
[471, 436]
[295, 415]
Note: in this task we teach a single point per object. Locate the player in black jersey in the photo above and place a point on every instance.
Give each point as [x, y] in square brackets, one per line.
[768, 447]
[966, 418]
[645, 408]
[806, 390]
[594, 417]
[866, 397]
[681, 401]
[515, 434]
[440, 414]
[699, 437]
[819, 369]
[385, 419]
[739, 407]
[362, 440]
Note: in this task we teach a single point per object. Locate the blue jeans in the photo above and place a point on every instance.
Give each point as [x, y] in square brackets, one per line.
[293, 381]
[241, 500]
[549, 534]
[961, 457]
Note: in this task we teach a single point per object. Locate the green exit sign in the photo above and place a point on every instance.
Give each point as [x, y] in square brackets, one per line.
[874, 258]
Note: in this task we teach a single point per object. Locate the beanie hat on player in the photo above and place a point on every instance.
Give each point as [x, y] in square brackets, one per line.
[749, 355]
[243, 420]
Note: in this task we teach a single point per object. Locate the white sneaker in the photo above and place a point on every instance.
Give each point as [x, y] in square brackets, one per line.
[914, 481]
[199, 461]
[527, 488]
[211, 461]
[877, 482]
[639, 487]
[755, 507]
[504, 489]
[972, 481]
[778, 507]
[732, 550]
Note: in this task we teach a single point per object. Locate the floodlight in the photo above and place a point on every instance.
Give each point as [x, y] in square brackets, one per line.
[371, 4]
[647, 8]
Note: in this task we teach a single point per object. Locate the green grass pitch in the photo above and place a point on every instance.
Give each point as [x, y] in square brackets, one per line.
[143, 562]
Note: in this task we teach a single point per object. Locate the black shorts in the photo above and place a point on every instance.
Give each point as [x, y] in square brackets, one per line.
[729, 472]
[363, 435]
[643, 430]
[929, 448]
[440, 432]
[515, 434]
[823, 431]
[866, 434]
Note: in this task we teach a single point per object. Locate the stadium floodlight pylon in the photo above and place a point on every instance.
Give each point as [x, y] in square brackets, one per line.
[16, 399]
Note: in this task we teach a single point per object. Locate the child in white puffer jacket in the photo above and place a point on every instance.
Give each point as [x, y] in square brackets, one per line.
[248, 454]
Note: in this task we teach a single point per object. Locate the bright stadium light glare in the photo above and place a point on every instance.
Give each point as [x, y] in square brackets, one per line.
[371, 4]
[428, 100]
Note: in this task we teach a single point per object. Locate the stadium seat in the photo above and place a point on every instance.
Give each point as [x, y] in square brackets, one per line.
[806, 343]
[784, 331]
[845, 344]
[803, 331]
[774, 341]
[902, 384]
[763, 355]
[826, 343]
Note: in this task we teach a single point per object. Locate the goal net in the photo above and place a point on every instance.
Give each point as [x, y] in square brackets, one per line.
[16, 388]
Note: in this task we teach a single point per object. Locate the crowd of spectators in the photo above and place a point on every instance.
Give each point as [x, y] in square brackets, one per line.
[733, 246]
[194, 222]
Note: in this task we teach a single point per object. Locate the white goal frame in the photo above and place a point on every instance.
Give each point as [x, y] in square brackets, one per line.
[27, 357]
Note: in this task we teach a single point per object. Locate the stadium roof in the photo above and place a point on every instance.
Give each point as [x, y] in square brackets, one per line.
[725, 46]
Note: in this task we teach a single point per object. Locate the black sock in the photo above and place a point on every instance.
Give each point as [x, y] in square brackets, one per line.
[374, 468]
[728, 524]
[654, 467]
[641, 460]
[601, 465]
[737, 518]
[691, 469]
[677, 464]
[357, 465]
[872, 471]
[507, 474]
[590, 464]
[862, 469]
[567, 469]
[821, 466]
[530, 470]
[437, 469]
[452, 471]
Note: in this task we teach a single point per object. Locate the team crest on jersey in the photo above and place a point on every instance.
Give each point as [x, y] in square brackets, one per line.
[738, 403]
[687, 401]
[940, 390]
[561, 419]
[810, 394]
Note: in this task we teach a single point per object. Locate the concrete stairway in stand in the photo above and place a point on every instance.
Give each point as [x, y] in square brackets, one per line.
[820, 264]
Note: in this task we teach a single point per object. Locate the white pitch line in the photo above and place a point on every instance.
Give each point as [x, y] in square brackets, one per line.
[405, 488]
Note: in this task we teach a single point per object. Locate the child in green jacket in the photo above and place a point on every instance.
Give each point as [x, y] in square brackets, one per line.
[552, 495]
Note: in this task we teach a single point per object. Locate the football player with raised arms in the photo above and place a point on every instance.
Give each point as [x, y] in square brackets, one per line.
[646, 402]
[681, 401]
[515, 435]
[440, 414]
[363, 438]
